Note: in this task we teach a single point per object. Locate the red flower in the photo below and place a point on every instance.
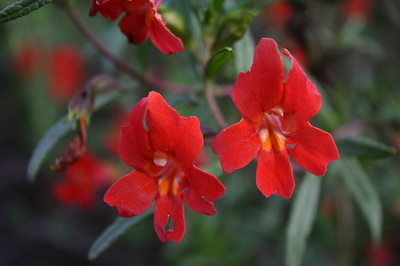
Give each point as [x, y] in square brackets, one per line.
[111, 139]
[278, 14]
[64, 65]
[275, 124]
[358, 9]
[162, 146]
[381, 255]
[27, 60]
[81, 181]
[66, 72]
[141, 20]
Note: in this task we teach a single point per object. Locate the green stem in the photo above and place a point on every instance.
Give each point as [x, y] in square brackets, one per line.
[345, 227]
[213, 105]
[209, 89]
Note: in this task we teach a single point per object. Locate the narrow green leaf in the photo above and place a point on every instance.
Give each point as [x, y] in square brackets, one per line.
[364, 194]
[56, 133]
[244, 52]
[364, 148]
[113, 232]
[302, 216]
[21, 8]
[217, 61]
[50, 139]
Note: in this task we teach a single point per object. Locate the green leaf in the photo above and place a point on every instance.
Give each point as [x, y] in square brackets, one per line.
[191, 15]
[364, 148]
[217, 61]
[56, 133]
[113, 232]
[364, 194]
[244, 52]
[212, 12]
[302, 216]
[232, 27]
[45, 145]
[21, 8]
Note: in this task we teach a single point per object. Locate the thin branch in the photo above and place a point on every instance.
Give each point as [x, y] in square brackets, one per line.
[121, 65]
[209, 89]
[213, 105]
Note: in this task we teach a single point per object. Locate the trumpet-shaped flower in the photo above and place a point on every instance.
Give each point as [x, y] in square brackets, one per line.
[141, 20]
[275, 123]
[162, 146]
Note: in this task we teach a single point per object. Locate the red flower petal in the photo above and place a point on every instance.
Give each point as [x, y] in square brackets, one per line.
[156, 4]
[172, 134]
[132, 6]
[161, 36]
[108, 8]
[236, 145]
[274, 174]
[260, 89]
[169, 208]
[132, 194]
[134, 147]
[301, 100]
[312, 149]
[201, 190]
[134, 27]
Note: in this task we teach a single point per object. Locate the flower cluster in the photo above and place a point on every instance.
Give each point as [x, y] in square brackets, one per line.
[162, 145]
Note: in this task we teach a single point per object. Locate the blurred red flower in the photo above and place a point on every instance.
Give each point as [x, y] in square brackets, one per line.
[63, 63]
[140, 21]
[357, 9]
[278, 14]
[27, 59]
[111, 139]
[297, 49]
[82, 180]
[380, 255]
[275, 123]
[162, 146]
[66, 72]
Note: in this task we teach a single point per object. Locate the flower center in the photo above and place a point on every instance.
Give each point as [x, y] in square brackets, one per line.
[168, 177]
[270, 131]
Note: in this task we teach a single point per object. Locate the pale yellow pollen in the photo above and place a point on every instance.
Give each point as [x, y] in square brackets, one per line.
[160, 158]
[277, 110]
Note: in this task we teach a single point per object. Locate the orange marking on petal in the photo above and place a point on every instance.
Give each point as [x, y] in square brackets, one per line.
[169, 178]
[270, 131]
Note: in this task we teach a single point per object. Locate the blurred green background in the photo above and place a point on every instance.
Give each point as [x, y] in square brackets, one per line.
[349, 48]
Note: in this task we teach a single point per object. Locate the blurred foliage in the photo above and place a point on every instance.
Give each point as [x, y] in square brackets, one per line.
[350, 217]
